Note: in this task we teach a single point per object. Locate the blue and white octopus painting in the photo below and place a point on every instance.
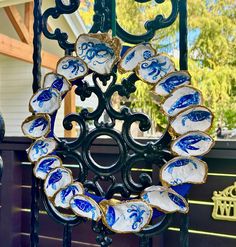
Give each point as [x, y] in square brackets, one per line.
[44, 165]
[196, 118]
[72, 68]
[171, 82]
[85, 206]
[182, 170]
[128, 216]
[98, 51]
[46, 100]
[134, 56]
[57, 179]
[155, 68]
[36, 126]
[57, 81]
[40, 148]
[181, 99]
[63, 197]
[165, 199]
[194, 143]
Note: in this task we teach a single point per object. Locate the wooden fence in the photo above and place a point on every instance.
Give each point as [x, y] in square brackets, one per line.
[15, 199]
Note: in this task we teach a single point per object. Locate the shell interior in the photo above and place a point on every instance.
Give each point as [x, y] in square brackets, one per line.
[194, 143]
[40, 148]
[36, 126]
[172, 81]
[134, 56]
[57, 81]
[181, 99]
[164, 199]
[98, 51]
[182, 170]
[63, 197]
[45, 165]
[127, 216]
[56, 179]
[155, 68]
[85, 206]
[193, 119]
[46, 100]
[72, 68]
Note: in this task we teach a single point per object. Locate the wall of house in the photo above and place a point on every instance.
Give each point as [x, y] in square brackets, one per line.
[15, 92]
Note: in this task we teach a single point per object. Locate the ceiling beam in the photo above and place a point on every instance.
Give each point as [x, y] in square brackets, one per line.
[22, 51]
[29, 18]
[18, 24]
[5, 3]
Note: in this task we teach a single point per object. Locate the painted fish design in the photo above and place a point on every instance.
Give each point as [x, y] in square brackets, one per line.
[136, 213]
[179, 163]
[58, 84]
[173, 81]
[196, 116]
[177, 200]
[45, 165]
[74, 65]
[155, 68]
[184, 101]
[38, 122]
[84, 206]
[44, 96]
[54, 178]
[130, 57]
[111, 216]
[187, 142]
[65, 192]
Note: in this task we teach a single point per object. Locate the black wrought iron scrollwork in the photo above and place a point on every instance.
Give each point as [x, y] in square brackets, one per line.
[2, 133]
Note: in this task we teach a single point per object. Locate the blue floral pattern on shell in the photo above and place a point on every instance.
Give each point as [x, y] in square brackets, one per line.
[40, 148]
[38, 122]
[75, 66]
[65, 192]
[136, 214]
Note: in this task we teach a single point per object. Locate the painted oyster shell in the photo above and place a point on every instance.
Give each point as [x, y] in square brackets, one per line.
[135, 55]
[56, 179]
[125, 217]
[165, 199]
[46, 100]
[85, 206]
[63, 197]
[182, 170]
[155, 68]
[57, 81]
[98, 51]
[40, 148]
[72, 68]
[172, 81]
[196, 118]
[194, 143]
[44, 165]
[181, 99]
[36, 126]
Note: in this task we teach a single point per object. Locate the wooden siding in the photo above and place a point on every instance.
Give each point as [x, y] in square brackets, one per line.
[204, 231]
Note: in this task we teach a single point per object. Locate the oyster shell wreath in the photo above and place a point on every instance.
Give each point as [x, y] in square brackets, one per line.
[182, 103]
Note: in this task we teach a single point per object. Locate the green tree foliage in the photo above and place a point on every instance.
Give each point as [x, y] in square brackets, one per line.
[212, 52]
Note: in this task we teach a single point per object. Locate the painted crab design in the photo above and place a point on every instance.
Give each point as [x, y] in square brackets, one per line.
[40, 148]
[184, 101]
[71, 189]
[196, 116]
[75, 65]
[84, 206]
[98, 51]
[44, 96]
[37, 123]
[136, 214]
[187, 142]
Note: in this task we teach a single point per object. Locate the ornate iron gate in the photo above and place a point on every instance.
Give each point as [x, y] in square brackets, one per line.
[153, 152]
